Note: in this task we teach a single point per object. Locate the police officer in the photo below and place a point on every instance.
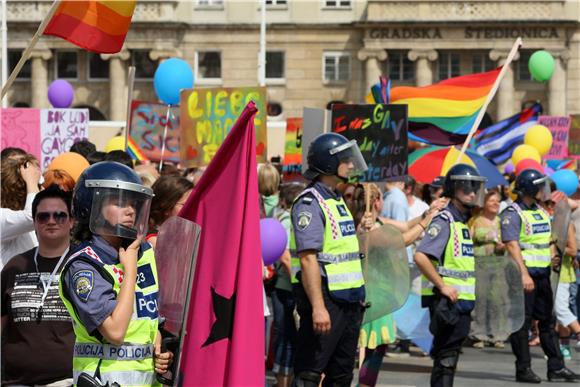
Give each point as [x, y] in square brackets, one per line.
[445, 257]
[327, 274]
[526, 231]
[109, 285]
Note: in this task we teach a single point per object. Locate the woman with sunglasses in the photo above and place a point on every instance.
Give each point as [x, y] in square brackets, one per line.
[36, 327]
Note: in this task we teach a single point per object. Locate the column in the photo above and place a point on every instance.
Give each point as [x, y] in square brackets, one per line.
[557, 86]
[161, 54]
[372, 59]
[423, 65]
[117, 84]
[506, 106]
[39, 78]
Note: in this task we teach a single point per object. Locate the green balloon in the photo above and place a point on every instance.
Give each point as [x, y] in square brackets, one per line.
[541, 66]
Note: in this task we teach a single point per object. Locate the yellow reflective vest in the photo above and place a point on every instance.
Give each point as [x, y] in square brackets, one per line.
[535, 234]
[340, 255]
[130, 364]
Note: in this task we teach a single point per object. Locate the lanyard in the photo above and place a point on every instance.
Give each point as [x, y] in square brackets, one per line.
[46, 285]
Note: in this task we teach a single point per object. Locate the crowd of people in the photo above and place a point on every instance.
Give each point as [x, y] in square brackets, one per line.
[87, 233]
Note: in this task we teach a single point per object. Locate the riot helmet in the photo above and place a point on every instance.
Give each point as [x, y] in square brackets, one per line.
[530, 182]
[464, 183]
[328, 151]
[112, 198]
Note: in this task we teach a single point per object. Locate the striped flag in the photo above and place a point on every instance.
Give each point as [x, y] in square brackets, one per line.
[498, 141]
[95, 25]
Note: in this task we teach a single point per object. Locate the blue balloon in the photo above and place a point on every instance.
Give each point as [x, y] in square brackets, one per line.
[170, 78]
[566, 181]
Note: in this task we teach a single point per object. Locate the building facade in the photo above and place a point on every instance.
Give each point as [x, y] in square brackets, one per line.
[318, 51]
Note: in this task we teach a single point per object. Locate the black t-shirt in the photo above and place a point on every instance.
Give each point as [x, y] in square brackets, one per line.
[37, 348]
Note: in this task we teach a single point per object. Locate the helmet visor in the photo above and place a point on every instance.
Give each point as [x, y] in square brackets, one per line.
[544, 190]
[350, 158]
[119, 212]
[470, 190]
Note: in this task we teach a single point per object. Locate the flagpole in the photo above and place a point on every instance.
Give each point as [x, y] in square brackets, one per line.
[28, 50]
[262, 57]
[510, 58]
[4, 48]
[130, 83]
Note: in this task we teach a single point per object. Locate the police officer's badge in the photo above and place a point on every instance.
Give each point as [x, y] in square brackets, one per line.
[505, 221]
[304, 219]
[433, 230]
[83, 283]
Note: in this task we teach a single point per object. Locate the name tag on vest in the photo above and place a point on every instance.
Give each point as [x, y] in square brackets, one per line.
[145, 276]
[466, 250]
[146, 305]
[341, 210]
[347, 228]
[540, 228]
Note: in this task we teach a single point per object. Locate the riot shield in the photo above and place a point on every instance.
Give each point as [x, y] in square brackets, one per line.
[560, 224]
[385, 270]
[499, 305]
[175, 254]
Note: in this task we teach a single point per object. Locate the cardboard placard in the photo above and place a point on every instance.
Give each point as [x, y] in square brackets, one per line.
[315, 122]
[59, 130]
[148, 121]
[559, 127]
[381, 134]
[207, 116]
[21, 129]
[574, 137]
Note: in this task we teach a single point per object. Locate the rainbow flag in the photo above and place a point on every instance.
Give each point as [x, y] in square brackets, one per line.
[443, 113]
[95, 25]
[134, 151]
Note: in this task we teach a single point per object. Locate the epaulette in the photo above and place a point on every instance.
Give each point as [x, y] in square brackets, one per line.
[307, 199]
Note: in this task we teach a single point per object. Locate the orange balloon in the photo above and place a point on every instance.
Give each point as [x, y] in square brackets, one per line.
[71, 162]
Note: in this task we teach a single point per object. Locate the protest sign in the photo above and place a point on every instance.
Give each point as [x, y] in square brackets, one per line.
[381, 134]
[148, 120]
[574, 137]
[207, 116]
[20, 129]
[293, 143]
[315, 122]
[59, 130]
[559, 127]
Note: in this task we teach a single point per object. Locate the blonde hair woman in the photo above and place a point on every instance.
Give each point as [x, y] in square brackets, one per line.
[269, 187]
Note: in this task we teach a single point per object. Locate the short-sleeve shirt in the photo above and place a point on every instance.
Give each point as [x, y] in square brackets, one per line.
[308, 220]
[93, 308]
[37, 347]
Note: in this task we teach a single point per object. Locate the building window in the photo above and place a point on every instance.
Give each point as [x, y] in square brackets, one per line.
[98, 68]
[210, 3]
[481, 63]
[144, 66]
[449, 65]
[276, 2]
[337, 3]
[523, 72]
[208, 65]
[274, 65]
[336, 67]
[13, 58]
[400, 67]
[67, 64]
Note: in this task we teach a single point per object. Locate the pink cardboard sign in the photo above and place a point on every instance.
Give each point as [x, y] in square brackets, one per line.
[21, 129]
[559, 127]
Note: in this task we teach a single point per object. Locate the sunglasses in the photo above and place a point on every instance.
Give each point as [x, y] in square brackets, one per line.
[59, 217]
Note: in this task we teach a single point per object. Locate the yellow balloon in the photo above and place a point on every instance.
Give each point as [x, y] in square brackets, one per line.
[512, 195]
[116, 143]
[525, 151]
[540, 138]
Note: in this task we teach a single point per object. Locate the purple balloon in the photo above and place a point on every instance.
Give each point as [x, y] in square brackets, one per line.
[509, 168]
[60, 94]
[273, 239]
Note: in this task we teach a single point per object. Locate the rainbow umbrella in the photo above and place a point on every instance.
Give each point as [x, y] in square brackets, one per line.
[427, 163]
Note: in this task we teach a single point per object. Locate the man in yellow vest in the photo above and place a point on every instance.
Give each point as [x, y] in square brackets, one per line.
[109, 284]
[445, 257]
[526, 231]
[326, 267]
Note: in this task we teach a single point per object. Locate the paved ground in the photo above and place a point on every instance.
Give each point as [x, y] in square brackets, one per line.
[487, 367]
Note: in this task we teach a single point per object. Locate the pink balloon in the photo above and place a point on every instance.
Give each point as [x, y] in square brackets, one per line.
[529, 164]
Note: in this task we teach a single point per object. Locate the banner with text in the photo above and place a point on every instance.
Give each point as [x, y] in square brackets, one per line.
[148, 120]
[381, 134]
[59, 130]
[559, 127]
[574, 138]
[20, 129]
[207, 116]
